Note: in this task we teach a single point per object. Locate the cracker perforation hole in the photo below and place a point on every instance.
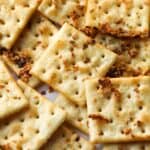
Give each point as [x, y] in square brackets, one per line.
[37, 131]
[129, 96]
[131, 119]
[111, 121]
[34, 48]
[97, 87]
[60, 81]
[101, 133]
[52, 113]
[106, 12]
[63, 135]
[69, 34]
[6, 82]
[80, 146]
[77, 139]
[118, 5]
[36, 35]
[80, 119]
[56, 53]
[18, 20]
[90, 73]
[140, 7]
[76, 92]
[50, 34]
[43, 71]
[58, 67]
[6, 123]
[22, 120]
[6, 137]
[37, 117]
[2, 22]
[144, 60]
[140, 107]
[139, 24]
[75, 77]
[21, 134]
[103, 56]
[142, 147]
[129, 15]
[99, 109]
[143, 130]
[37, 102]
[119, 108]
[27, 5]
[8, 35]
[12, 7]
[138, 85]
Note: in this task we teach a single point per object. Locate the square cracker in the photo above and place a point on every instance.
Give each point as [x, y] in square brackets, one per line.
[31, 128]
[66, 138]
[118, 109]
[12, 99]
[61, 11]
[128, 146]
[35, 38]
[72, 58]
[127, 18]
[14, 14]
[76, 115]
[134, 55]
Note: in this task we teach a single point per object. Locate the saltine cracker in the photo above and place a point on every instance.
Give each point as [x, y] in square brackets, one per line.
[14, 15]
[33, 127]
[118, 109]
[72, 58]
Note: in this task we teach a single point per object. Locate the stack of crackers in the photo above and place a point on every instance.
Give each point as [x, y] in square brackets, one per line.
[95, 54]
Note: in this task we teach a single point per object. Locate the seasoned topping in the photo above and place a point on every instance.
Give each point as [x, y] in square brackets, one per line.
[50, 89]
[106, 86]
[126, 131]
[105, 83]
[1, 86]
[20, 59]
[24, 73]
[2, 50]
[133, 52]
[116, 70]
[99, 117]
[90, 31]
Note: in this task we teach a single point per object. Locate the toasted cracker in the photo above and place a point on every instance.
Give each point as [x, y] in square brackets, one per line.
[120, 18]
[13, 17]
[34, 126]
[128, 146]
[118, 109]
[76, 115]
[12, 99]
[72, 58]
[66, 138]
[32, 43]
[134, 56]
[71, 11]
